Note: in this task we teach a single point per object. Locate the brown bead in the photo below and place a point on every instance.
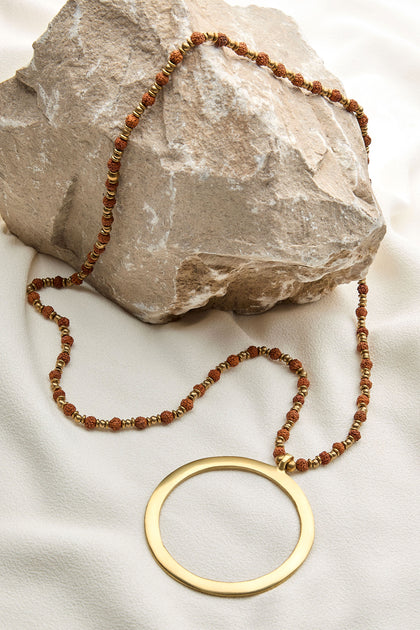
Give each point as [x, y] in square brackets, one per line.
[253, 351]
[200, 388]
[303, 382]
[233, 360]
[63, 321]
[46, 311]
[222, 40]
[54, 374]
[97, 250]
[274, 354]
[120, 144]
[292, 415]
[32, 296]
[295, 365]
[360, 415]
[339, 446]
[352, 106]
[64, 356]
[86, 270]
[111, 186]
[363, 399]
[115, 424]
[214, 374]
[107, 221]
[362, 289]
[242, 49]
[37, 282]
[176, 56]
[114, 166]
[69, 409]
[365, 382]
[197, 38]
[362, 330]
[57, 393]
[302, 465]
[355, 434]
[316, 87]
[262, 59]
[361, 311]
[58, 282]
[104, 238]
[166, 417]
[90, 422]
[109, 203]
[141, 423]
[325, 458]
[299, 399]
[161, 79]
[279, 450]
[367, 140]
[147, 100]
[280, 70]
[131, 121]
[366, 364]
[75, 279]
[187, 403]
[67, 339]
[284, 433]
[363, 345]
[298, 80]
[363, 120]
[335, 96]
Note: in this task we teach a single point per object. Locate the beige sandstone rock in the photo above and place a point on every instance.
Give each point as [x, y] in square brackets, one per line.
[237, 189]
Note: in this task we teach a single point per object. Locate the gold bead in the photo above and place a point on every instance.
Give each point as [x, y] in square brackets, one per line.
[243, 356]
[348, 441]
[286, 358]
[60, 364]
[263, 350]
[287, 425]
[66, 347]
[223, 366]
[302, 373]
[291, 466]
[181, 410]
[208, 382]
[356, 424]
[303, 390]
[193, 394]
[334, 453]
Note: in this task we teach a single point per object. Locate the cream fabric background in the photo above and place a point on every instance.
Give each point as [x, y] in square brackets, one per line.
[73, 554]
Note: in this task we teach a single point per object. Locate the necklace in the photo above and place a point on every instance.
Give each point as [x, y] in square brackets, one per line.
[279, 474]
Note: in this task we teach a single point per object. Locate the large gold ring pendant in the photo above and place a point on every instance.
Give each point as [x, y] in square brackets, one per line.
[229, 589]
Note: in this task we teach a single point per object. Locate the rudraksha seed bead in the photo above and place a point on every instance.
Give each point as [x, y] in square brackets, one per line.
[58, 282]
[366, 364]
[32, 296]
[176, 56]
[90, 422]
[242, 49]
[104, 238]
[274, 354]
[115, 424]
[352, 106]
[214, 374]
[363, 399]
[365, 382]
[147, 100]
[54, 374]
[197, 38]
[279, 450]
[114, 166]
[355, 434]
[283, 433]
[107, 221]
[75, 279]
[335, 96]
[280, 70]
[141, 423]
[64, 356]
[339, 446]
[109, 203]
[302, 465]
[120, 144]
[299, 399]
[37, 282]
[362, 330]
[262, 59]
[360, 415]
[67, 339]
[253, 351]
[222, 40]
[161, 79]
[316, 87]
[363, 120]
[362, 289]
[233, 360]
[63, 321]
[166, 417]
[187, 403]
[57, 393]
[112, 186]
[292, 415]
[46, 311]
[367, 140]
[295, 365]
[131, 121]
[303, 382]
[298, 80]
[325, 458]
[363, 345]
[86, 270]
[69, 409]
[200, 388]
[361, 311]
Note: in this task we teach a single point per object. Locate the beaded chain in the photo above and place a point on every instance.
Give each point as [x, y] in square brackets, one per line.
[166, 417]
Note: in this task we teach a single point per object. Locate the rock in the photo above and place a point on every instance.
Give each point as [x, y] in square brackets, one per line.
[238, 190]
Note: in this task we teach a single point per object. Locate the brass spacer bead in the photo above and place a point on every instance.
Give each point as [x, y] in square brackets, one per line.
[66, 347]
[61, 401]
[124, 136]
[223, 366]
[301, 372]
[243, 356]
[263, 350]
[297, 406]
[366, 373]
[126, 130]
[356, 424]
[78, 417]
[193, 394]
[208, 382]
[287, 425]
[334, 453]
[64, 330]
[348, 441]
[60, 364]
[286, 358]
[303, 390]
[180, 411]
[117, 153]
[315, 463]
[112, 177]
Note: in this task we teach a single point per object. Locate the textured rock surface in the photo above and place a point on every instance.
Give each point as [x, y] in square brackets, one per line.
[237, 189]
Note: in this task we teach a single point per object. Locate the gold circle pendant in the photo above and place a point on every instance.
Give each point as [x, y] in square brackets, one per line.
[229, 589]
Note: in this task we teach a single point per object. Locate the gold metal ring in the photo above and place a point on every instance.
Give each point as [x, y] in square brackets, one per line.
[214, 587]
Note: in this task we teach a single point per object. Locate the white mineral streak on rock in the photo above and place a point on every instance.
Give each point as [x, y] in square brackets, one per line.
[237, 189]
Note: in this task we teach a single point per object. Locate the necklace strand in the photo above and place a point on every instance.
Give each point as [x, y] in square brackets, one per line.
[284, 460]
